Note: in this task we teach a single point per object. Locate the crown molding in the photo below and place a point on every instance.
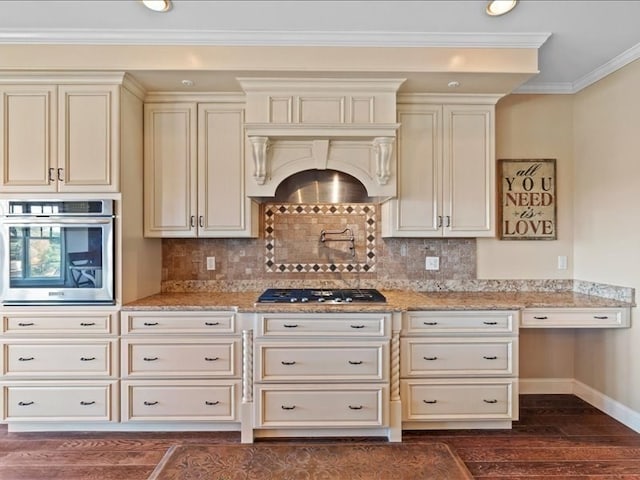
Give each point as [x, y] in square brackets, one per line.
[590, 78]
[271, 38]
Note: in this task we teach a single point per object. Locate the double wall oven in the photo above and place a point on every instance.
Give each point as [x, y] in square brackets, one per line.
[56, 252]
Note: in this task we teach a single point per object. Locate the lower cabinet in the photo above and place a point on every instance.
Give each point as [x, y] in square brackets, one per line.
[323, 375]
[181, 368]
[59, 366]
[608, 317]
[459, 369]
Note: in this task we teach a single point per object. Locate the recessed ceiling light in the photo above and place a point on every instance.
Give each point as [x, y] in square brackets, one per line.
[157, 5]
[496, 8]
[453, 84]
[187, 83]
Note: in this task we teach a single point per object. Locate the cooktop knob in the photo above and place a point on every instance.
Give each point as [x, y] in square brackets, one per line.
[348, 299]
[293, 300]
[321, 299]
[338, 300]
[304, 299]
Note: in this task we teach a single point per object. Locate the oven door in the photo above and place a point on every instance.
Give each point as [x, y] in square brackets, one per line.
[49, 260]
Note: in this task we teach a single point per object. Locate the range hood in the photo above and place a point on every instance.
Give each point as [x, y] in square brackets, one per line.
[299, 124]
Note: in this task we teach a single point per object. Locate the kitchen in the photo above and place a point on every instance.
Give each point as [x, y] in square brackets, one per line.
[593, 233]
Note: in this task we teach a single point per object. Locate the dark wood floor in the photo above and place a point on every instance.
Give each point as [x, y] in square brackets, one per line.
[557, 437]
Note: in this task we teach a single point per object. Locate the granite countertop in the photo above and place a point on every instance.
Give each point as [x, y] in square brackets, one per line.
[397, 301]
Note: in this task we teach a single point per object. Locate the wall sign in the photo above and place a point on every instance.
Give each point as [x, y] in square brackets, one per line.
[527, 199]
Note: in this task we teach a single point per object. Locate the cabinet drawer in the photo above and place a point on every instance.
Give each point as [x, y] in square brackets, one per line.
[68, 323]
[440, 356]
[484, 399]
[321, 406]
[576, 317]
[49, 401]
[148, 322]
[448, 322]
[309, 361]
[180, 357]
[61, 358]
[179, 401]
[354, 324]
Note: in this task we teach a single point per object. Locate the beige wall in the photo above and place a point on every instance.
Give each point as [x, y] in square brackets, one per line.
[607, 224]
[534, 126]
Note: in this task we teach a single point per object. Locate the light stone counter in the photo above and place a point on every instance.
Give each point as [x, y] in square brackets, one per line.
[397, 301]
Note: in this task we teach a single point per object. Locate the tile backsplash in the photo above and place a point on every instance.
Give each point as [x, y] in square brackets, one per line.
[290, 253]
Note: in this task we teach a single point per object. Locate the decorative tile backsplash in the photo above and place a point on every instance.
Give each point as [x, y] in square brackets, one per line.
[319, 238]
[295, 237]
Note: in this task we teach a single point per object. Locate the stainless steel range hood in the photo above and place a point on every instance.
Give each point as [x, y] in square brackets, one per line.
[321, 186]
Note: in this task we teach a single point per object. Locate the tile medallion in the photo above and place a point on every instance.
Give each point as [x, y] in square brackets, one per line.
[294, 240]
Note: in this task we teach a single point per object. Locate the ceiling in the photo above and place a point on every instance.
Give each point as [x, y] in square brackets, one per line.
[578, 42]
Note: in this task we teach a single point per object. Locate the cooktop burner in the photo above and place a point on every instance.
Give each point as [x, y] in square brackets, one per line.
[312, 295]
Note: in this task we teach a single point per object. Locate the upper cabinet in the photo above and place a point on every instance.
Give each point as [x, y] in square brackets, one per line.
[59, 138]
[446, 168]
[194, 171]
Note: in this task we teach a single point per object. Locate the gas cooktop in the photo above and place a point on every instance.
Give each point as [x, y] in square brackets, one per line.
[312, 295]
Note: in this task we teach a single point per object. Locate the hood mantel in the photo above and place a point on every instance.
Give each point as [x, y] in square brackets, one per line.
[298, 124]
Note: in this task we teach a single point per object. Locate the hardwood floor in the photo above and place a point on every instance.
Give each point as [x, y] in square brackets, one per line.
[557, 437]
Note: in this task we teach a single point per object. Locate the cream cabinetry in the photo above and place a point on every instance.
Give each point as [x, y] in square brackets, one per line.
[446, 168]
[59, 137]
[459, 369]
[181, 366]
[607, 317]
[59, 365]
[323, 374]
[194, 171]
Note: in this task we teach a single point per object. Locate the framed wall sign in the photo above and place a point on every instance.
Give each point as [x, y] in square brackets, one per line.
[527, 199]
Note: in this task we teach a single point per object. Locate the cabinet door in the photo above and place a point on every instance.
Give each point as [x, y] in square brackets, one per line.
[28, 138]
[469, 171]
[415, 213]
[88, 138]
[223, 208]
[170, 170]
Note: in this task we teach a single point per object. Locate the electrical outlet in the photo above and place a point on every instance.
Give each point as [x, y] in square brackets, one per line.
[562, 262]
[403, 249]
[211, 263]
[432, 263]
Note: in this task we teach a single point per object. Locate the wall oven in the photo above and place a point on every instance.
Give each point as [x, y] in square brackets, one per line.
[56, 252]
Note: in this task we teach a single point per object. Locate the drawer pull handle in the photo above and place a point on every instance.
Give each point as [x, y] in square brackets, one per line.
[25, 404]
[357, 326]
[30, 324]
[490, 401]
[87, 324]
[490, 323]
[600, 317]
[87, 403]
[490, 357]
[430, 358]
[355, 407]
[541, 318]
[290, 325]
[287, 363]
[206, 402]
[211, 324]
[150, 324]
[87, 359]
[356, 362]
[430, 323]
[430, 401]
[211, 359]
[285, 407]
[150, 359]
[150, 404]
[25, 359]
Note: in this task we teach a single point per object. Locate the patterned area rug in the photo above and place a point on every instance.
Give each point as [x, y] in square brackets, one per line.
[433, 461]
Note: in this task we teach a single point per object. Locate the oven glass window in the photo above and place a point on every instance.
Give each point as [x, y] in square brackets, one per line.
[50, 256]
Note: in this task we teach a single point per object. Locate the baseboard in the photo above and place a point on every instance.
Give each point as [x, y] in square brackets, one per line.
[608, 405]
[545, 385]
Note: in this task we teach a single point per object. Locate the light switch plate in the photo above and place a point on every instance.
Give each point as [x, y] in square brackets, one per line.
[211, 263]
[432, 263]
[562, 262]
